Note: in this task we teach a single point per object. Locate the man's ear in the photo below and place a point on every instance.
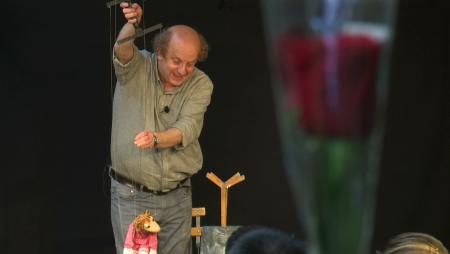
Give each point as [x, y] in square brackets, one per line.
[159, 55]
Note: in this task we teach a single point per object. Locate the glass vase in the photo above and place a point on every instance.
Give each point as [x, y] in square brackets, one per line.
[329, 64]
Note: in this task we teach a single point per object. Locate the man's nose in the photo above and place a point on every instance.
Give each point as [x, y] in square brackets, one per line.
[182, 69]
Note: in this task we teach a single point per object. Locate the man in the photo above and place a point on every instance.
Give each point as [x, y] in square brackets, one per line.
[159, 104]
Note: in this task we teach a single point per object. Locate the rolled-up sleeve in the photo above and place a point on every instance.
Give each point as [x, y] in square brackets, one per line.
[190, 120]
[125, 72]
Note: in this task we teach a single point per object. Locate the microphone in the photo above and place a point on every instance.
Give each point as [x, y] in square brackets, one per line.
[166, 109]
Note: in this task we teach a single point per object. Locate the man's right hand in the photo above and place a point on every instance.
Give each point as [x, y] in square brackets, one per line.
[132, 13]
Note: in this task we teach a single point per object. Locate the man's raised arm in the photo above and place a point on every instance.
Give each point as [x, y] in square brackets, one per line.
[124, 51]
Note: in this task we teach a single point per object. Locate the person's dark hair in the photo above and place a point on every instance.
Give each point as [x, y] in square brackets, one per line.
[412, 242]
[263, 240]
[161, 42]
[237, 234]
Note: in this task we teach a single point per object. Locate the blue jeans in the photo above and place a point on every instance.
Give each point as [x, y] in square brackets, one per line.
[172, 211]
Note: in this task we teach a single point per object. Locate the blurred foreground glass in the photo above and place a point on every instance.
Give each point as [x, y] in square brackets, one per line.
[329, 62]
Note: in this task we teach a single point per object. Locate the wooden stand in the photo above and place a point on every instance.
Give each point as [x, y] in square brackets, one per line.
[224, 186]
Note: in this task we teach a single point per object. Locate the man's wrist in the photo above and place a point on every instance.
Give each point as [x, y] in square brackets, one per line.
[155, 140]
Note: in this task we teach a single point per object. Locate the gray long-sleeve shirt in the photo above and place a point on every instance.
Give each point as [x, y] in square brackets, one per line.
[139, 104]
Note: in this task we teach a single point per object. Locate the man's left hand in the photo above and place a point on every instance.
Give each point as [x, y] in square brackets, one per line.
[144, 140]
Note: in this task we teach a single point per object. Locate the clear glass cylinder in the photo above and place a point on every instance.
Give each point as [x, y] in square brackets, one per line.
[329, 62]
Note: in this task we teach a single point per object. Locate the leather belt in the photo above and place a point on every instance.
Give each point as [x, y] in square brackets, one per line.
[123, 180]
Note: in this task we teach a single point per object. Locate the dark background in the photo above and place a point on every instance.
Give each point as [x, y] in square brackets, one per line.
[56, 116]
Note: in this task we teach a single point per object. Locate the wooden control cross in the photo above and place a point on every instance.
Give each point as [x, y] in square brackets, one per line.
[224, 186]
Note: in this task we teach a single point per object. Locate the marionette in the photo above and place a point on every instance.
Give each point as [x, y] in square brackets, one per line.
[142, 235]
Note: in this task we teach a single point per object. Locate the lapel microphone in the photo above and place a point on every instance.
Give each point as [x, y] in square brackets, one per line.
[166, 109]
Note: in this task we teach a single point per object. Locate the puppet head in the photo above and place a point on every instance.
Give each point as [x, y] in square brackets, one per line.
[145, 223]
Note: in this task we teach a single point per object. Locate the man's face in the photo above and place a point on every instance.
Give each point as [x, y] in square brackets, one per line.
[178, 63]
